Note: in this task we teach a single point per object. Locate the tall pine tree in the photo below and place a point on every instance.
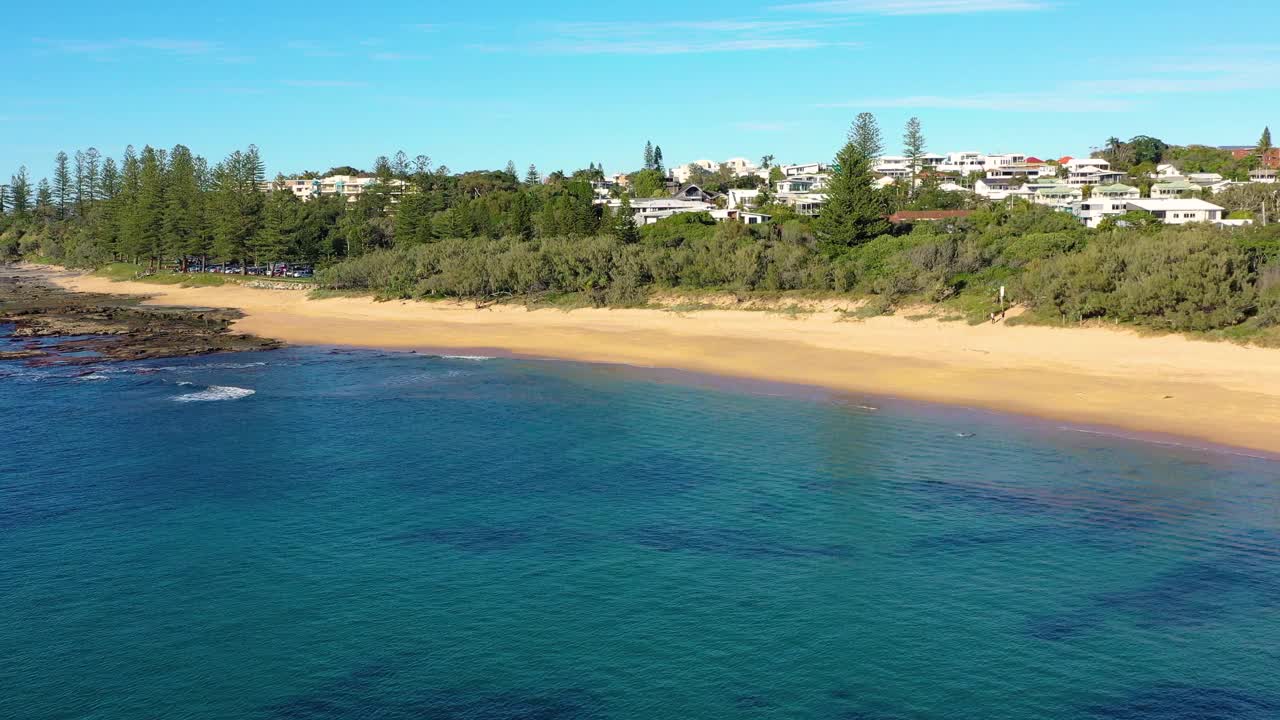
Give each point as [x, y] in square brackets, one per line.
[184, 218]
[281, 222]
[624, 223]
[913, 149]
[865, 134]
[20, 193]
[61, 185]
[854, 211]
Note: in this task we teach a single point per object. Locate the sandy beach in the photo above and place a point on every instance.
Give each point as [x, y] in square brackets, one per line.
[1169, 385]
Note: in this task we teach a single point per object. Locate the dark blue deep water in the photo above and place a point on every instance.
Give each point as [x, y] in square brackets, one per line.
[386, 536]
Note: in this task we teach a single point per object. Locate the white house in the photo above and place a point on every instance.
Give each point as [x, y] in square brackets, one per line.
[993, 162]
[347, 186]
[804, 203]
[894, 166]
[682, 173]
[1165, 171]
[898, 166]
[1032, 171]
[743, 216]
[803, 169]
[650, 210]
[1099, 163]
[801, 184]
[1178, 211]
[742, 167]
[1173, 189]
[1117, 191]
[1262, 175]
[1204, 179]
[1093, 211]
[1091, 171]
[743, 198]
[1222, 185]
[964, 163]
[1057, 196]
[995, 188]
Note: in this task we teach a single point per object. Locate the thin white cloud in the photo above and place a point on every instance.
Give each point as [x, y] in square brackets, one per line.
[663, 47]
[325, 83]
[915, 7]
[311, 49]
[674, 37]
[999, 102]
[398, 57]
[173, 46]
[1209, 71]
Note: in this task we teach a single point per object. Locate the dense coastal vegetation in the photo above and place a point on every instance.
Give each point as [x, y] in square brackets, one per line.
[492, 234]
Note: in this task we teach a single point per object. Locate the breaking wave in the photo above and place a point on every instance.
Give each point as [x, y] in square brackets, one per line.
[216, 392]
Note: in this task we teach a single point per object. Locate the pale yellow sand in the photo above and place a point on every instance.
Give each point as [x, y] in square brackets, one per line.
[1219, 392]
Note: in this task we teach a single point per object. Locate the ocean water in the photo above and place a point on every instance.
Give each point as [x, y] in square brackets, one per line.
[311, 534]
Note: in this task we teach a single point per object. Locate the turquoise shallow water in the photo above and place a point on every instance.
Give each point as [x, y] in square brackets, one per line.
[375, 535]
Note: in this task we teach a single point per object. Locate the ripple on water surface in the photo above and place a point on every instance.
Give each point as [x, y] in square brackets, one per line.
[346, 534]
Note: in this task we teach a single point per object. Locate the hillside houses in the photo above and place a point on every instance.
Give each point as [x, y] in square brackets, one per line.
[349, 187]
[738, 167]
[1087, 187]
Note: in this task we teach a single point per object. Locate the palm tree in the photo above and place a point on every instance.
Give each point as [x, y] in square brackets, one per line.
[1114, 145]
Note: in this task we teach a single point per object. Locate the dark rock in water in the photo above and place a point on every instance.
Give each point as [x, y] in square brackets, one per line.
[21, 354]
[111, 328]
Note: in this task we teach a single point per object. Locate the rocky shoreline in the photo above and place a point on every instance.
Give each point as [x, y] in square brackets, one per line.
[101, 327]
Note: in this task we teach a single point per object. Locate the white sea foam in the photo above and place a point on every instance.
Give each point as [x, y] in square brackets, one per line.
[208, 366]
[468, 357]
[94, 376]
[216, 392]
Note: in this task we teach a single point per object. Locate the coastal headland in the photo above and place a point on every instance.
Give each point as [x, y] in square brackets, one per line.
[1169, 385]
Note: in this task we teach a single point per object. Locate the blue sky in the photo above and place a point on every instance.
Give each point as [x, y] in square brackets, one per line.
[561, 84]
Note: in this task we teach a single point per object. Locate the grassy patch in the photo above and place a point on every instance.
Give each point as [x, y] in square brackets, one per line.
[119, 271]
[688, 307]
[875, 306]
[186, 279]
[791, 311]
[326, 293]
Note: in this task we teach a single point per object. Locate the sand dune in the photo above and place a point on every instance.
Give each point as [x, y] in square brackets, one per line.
[1218, 392]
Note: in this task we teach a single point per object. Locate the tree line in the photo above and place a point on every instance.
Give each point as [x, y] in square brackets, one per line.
[158, 206]
[493, 234]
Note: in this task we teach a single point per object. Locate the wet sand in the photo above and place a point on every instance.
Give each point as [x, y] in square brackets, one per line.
[1170, 385]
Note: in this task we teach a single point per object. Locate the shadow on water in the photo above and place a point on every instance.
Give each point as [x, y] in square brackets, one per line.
[733, 542]
[1245, 582]
[479, 539]
[376, 691]
[1188, 702]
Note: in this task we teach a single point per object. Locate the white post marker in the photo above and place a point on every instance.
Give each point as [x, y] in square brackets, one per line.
[1001, 297]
